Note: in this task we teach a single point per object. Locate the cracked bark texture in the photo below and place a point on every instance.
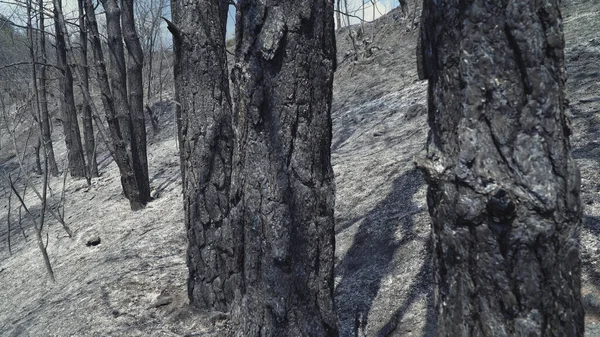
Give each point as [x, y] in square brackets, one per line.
[283, 188]
[503, 188]
[206, 144]
[67, 102]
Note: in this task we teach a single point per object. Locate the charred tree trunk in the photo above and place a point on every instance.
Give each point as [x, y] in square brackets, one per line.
[206, 145]
[38, 160]
[283, 191]
[503, 187]
[67, 102]
[338, 13]
[86, 110]
[114, 101]
[134, 178]
[135, 91]
[44, 117]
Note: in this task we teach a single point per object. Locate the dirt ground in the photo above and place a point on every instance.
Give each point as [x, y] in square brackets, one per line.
[133, 282]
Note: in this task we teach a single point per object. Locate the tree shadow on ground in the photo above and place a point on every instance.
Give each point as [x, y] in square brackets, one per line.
[388, 227]
[422, 286]
[591, 301]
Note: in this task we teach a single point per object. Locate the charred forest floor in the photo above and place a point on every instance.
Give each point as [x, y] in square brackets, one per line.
[133, 283]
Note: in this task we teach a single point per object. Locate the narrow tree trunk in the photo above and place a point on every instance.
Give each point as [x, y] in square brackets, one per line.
[363, 10]
[206, 145]
[67, 102]
[134, 174]
[38, 161]
[503, 187]
[115, 105]
[347, 12]
[283, 181]
[338, 13]
[86, 110]
[44, 117]
[135, 90]
[149, 60]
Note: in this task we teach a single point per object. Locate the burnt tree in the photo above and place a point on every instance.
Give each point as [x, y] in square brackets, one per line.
[86, 109]
[283, 189]
[259, 196]
[135, 94]
[134, 178]
[503, 188]
[44, 118]
[67, 101]
[206, 145]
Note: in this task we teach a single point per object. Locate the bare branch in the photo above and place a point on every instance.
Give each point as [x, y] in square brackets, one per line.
[29, 63]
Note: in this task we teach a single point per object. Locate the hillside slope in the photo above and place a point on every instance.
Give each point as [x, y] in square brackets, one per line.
[133, 282]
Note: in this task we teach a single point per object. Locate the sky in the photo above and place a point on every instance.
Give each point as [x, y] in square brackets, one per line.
[8, 8]
[354, 7]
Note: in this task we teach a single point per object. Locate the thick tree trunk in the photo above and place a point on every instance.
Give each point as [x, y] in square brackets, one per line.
[503, 187]
[44, 117]
[115, 103]
[86, 110]
[206, 145]
[283, 190]
[135, 90]
[67, 103]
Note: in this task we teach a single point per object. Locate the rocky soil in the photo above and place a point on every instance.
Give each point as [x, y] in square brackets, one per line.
[133, 282]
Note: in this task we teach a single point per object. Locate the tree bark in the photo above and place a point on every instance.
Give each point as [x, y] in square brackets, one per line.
[44, 118]
[206, 145]
[283, 190]
[67, 103]
[134, 176]
[338, 13]
[135, 91]
[114, 101]
[86, 110]
[503, 188]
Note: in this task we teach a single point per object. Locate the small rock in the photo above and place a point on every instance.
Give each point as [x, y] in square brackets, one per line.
[93, 241]
[415, 110]
[154, 194]
[163, 299]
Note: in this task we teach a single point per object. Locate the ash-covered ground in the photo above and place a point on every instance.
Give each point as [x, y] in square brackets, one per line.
[134, 282]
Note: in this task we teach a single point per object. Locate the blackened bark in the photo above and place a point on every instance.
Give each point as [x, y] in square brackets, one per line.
[206, 145]
[38, 161]
[115, 105]
[44, 118]
[503, 187]
[86, 109]
[135, 91]
[338, 13]
[67, 102]
[134, 177]
[283, 189]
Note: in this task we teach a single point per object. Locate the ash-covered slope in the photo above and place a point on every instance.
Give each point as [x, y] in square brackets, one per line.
[383, 275]
[133, 282]
[384, 283]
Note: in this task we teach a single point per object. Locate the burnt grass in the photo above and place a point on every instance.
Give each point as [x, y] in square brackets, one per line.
[133, 282]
